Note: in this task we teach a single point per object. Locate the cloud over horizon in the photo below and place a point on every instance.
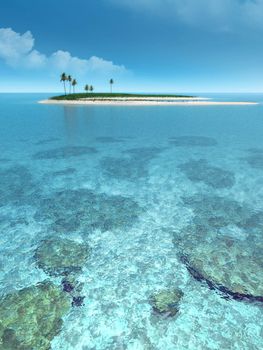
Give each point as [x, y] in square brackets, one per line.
[222, 15]
[17, 51]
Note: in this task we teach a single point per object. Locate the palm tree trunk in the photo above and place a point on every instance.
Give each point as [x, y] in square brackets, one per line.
[65, 88]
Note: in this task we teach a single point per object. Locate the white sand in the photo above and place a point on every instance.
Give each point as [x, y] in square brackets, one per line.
[149, 101]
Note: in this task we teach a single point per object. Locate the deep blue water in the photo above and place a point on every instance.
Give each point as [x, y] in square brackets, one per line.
[164, 198]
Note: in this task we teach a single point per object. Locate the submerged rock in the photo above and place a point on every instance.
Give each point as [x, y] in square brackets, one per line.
[201, 171]
[32, 317]
[78, 301]
[61, 257]
[193, 141]
[223, 247]
[71, 210]
[233, 267]
[16, 185]
[64, 152]
[166, 302]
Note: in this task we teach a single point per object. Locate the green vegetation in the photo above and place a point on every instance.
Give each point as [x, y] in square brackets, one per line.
[74, 83]
[96, 95]
[88, 88]
[111, 83]
[64, 78]
[89, 94]
[70, 83]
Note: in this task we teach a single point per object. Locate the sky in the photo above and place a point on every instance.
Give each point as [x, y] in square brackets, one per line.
[144, 45]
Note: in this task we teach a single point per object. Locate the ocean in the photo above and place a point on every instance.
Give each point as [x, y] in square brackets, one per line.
[131, 227]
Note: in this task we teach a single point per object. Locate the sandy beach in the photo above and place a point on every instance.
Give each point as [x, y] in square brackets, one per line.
[148, 102]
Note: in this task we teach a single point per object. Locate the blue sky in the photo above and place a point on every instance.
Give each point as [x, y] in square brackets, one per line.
[144, 45]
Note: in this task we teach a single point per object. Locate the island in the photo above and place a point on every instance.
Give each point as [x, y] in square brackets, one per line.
[124, 99]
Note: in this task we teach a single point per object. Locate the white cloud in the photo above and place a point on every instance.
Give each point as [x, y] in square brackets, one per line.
[17, 50]
[98, 64]
[35, 59]
[62, 60]
[217, 14]
[14, 46]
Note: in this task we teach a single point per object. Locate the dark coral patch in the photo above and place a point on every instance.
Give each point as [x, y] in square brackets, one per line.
[67, 171]
[255, 160]
[78, 301]
[193, 141]
[123, 168]
[64, 152]
[143, 153]
[133, 167]
[217, 211]
[61, 257]
[46, 141]
[16, 185]
[201, 171]
[72, 210]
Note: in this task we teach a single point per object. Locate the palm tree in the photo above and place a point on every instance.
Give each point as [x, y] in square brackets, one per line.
[64, 78]
[74, 83]
[91, 88]
[111, 83]
[86, 88]
[69, 80]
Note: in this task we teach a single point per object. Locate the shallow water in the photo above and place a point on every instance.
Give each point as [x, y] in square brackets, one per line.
[164, 197]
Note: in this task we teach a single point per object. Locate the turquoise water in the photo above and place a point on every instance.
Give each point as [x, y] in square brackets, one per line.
[116, 204]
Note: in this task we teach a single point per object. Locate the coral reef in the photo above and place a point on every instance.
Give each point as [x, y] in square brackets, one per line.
[223, 246]
[72, 210]
[143, 153]
[201, 171]
[255, 160]
[16, 185]
[123, 168]
[132, 167]
[67, 171]
[46, 141]
[64, 152]
[193, 141]
[217, 211]
[166, 302]
[32, 317]
[61, 257]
